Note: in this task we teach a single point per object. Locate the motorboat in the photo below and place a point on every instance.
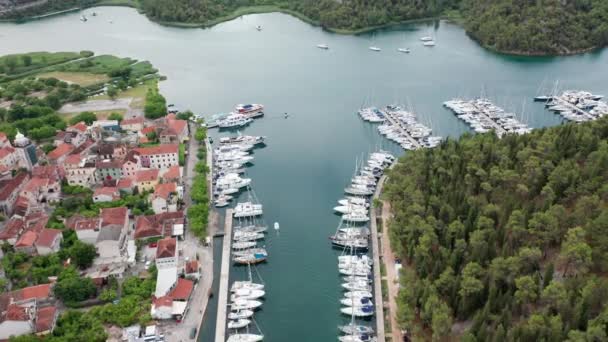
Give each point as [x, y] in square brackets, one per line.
[245, 304]
[238, 324]
[247, 285]
[323, 46]
[276, 226]
[358, 311]
[354, 201]
[356, 301]
[240, 314]
[234, 147]
[233, 181]
[259, 28]
[247, 294]
[83, 18]
[355, 329]
[222, 201]
[243, 245]
[234, 120]
[543, 98]
[426, 39]
[243, 139]
[375, 48]
[249, 108]
[247, 209]
[353, 190]
[429, 44]
[245, 338]
[225, 191]
[404, 50]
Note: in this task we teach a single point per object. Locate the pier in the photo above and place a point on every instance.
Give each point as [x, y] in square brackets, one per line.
[560, 101]
[404, 132]
[377, 276]
[220, 326]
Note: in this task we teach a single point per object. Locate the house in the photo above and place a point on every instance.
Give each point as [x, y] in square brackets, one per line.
[159, 157]
[172, 174]
[108, 170]
[53, 172]
[41, 190]
[157, 225]
[58, 155]
[81, 133]
[175, 303]
[87, 229]
[125, 185]
[106, 194]
[164, 198]
[174, 131]
[63, 137]
[112, 239]
[12, 230]
[10, 190]
[49, 241]
[27, 311]
[107, 125]
[9, 158]
[26, 241]
[132, 124]
[80, 171]
[167, 256]
[191, 270]
[131, 164]
[146, 180]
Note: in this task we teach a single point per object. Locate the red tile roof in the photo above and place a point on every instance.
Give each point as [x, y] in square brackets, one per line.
[42, 291]
[125, 183]
[182, 290]
[45, 318]
[47, 237]
[177, 125]
[148, 129]
[35, 184]
[172, 173]
[146, 175]
[8, 186]
[16, 313]
[73, 159]
[12, 228]
[167, 248]
[132, 121]
[160, 149]
[60, 151]
[164, 190]
[192, 267]
[157, 225]
[81, 127]
[54, 172]
[163, 301]
[5, 151]
[114, 216]
[27, 239]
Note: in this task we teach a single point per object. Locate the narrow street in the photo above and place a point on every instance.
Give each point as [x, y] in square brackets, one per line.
[392, 277]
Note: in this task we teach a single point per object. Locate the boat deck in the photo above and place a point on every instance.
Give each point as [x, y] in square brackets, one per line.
[220, 325]
[404, 132]
[560, 101]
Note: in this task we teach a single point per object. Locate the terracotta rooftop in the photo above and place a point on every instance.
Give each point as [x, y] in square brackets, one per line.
[160, 149]
[5, 151]
[114, 216]
[148, 129]
[27, 239]
[87, 224]
[192, 267]
[109, 164]
[45, 318]
[132, 121]
[163, 301]
[60, 151]
[167, 248]
[80, 127]
[177, 125]
[157, 225]
[54, 172]
[182, 290]
[35, 184]
[38, 291]
[12, 228]
[164, 190]
[108, 191]
[125, 183]
[47, 237]
[172, 173]
[15, 312]
[8, 186]
[146, 175]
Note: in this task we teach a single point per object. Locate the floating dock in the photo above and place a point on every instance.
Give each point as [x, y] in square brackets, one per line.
[222, 305]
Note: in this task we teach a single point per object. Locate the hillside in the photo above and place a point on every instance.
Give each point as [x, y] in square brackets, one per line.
[546, 27]
[507, 237]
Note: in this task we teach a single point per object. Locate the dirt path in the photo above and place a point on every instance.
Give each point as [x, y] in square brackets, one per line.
[96, 105]
[388, 257]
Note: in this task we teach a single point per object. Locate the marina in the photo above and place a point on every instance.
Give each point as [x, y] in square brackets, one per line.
[484, 116]
[241, 116]
[401, 126]
[575, 105]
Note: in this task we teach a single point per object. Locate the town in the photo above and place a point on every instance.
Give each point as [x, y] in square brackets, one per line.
[99, 222]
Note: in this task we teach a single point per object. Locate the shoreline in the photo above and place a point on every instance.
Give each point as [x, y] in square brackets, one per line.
[261, 9]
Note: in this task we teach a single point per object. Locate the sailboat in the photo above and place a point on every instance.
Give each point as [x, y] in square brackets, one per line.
[238, 324]
[323, 46]
[404, 50]
[245, 338]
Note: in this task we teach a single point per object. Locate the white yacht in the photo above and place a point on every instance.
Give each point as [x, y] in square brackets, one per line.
[240, 314]
[353, 329]
[375, 48]
[247, 294]
[426, 39]
[248, 236]
[248, 285]
[358, 311]
[346, 209]
[404, 50]
[356, 301]
[245, 338]
[243, 245]
[245, 304]
[356, 216]
[250, 229]
[350, 294]
[357, 338]
[429, 43]
[243, 139]
[238, 324]
[357, 286]
[247, 209]
[323, 46]
[234, 120]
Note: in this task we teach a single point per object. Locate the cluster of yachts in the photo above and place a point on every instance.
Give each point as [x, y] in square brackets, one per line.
[241, 116]
[352, 237]
[229, 161]
[576, 105]
[426, 41]
[401, 126]
[245, 298]
[484, 116]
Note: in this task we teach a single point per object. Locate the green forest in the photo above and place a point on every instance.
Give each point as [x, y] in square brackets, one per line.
[508, 238]
[515, 26]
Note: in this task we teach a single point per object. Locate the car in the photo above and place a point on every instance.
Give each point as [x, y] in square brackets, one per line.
[153, 245]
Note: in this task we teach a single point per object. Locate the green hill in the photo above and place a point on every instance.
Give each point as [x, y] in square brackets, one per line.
[507, 237]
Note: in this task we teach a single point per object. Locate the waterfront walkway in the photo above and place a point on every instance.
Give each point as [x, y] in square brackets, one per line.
[220, 325]
[377, 275]
[392, 275]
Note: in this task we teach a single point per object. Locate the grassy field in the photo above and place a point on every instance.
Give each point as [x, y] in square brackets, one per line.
[82, 78]
[138, 93]
[37, 60]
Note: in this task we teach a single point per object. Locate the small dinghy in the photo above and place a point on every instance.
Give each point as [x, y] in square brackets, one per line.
[276, 226]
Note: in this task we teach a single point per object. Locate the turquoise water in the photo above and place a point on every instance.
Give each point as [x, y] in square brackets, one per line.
[311, 155]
